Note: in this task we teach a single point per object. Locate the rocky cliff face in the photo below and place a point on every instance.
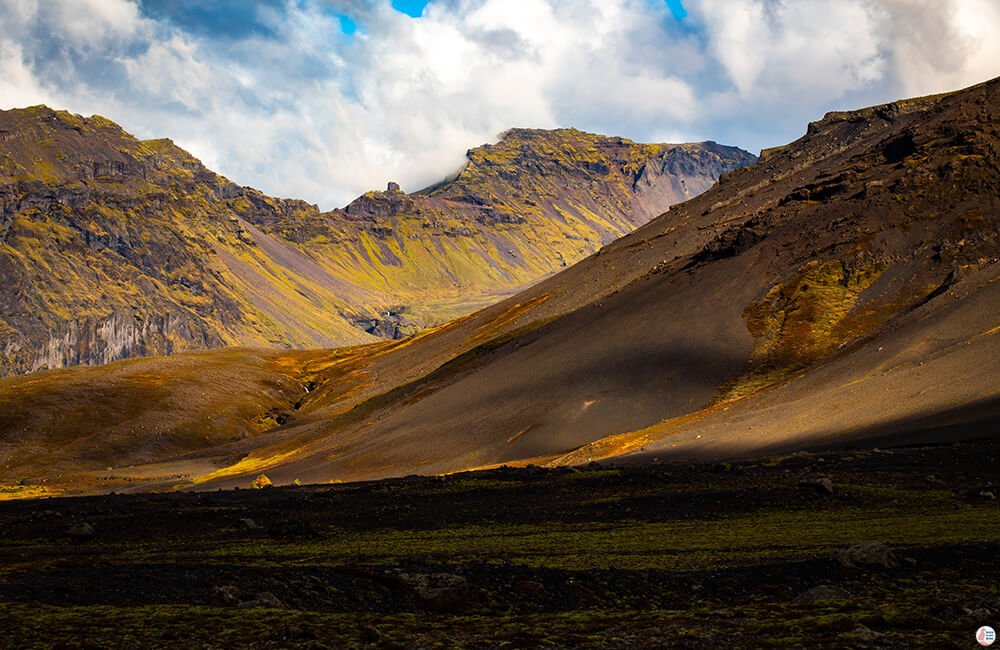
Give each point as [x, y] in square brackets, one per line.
[111, 247]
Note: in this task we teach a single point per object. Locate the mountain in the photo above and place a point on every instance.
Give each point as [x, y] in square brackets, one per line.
[841, 291]
[112, 247]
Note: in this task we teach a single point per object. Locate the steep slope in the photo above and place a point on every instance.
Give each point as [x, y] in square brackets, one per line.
[111, 247]
[824, 245]
[799, 296]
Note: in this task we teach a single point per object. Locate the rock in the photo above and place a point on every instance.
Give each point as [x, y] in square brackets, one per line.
[264, 599]
[392, 187]
[248, 524]
[227, 594]
[821, 484]
[370, 634]
[267, 599]
[973, 614]
[582, 592]
[869, 554]
[297, 633]
[445, 591]
[531, 589]
[825, 592]
[80, 532]
[292, 529]
[722, 613]
[864, 634]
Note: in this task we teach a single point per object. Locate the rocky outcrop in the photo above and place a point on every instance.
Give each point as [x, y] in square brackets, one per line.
[123, 335]
[684, 172]
[379, 206]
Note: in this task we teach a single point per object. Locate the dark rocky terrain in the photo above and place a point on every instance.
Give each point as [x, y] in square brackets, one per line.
[112, 247]
[894, 548]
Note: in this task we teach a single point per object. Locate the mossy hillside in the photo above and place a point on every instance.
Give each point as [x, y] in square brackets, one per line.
[529, 205]
[111, 229]
[127, 228]
[798, 321]
[804, 319]
[99, 221]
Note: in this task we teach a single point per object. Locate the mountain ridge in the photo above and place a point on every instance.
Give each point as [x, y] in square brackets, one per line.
[114, 247]
[841, 291]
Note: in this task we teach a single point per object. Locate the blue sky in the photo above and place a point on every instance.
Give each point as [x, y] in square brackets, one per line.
[324, 99]
[412, 8]
[677, 9]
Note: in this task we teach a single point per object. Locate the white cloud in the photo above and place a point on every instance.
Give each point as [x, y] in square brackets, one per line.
[940, 46]
[92, 22]
[18, 80]
[300, 109]
[780, 52]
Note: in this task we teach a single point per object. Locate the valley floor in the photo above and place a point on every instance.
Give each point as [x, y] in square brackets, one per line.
[744, 554]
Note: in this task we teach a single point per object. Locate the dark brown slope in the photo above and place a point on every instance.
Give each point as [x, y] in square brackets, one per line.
[873, 219]
[112, 247]
[823, 244]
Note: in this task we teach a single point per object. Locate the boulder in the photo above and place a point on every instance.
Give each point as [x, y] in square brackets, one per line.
[264, 599]
[868, 555]
[820, 484]
[442, 591]
[370, 634]
[80, 532]
[825, 592]
[227, 594]
[864, 634]
[297, 633]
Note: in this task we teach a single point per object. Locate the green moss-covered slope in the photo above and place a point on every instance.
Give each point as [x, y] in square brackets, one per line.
[112, 247]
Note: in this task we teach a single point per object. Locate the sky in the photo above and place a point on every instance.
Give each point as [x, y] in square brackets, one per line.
[325, 99]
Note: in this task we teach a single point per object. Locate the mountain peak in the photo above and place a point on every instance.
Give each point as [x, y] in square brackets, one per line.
[154, 253]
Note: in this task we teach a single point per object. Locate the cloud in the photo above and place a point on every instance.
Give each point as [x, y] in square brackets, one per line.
[218, 19]
[173, 69]
[86, 24]
[18, 79]
[275, 94]
[939, 44]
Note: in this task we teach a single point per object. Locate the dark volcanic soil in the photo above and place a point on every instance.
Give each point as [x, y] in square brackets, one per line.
[683, 555]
